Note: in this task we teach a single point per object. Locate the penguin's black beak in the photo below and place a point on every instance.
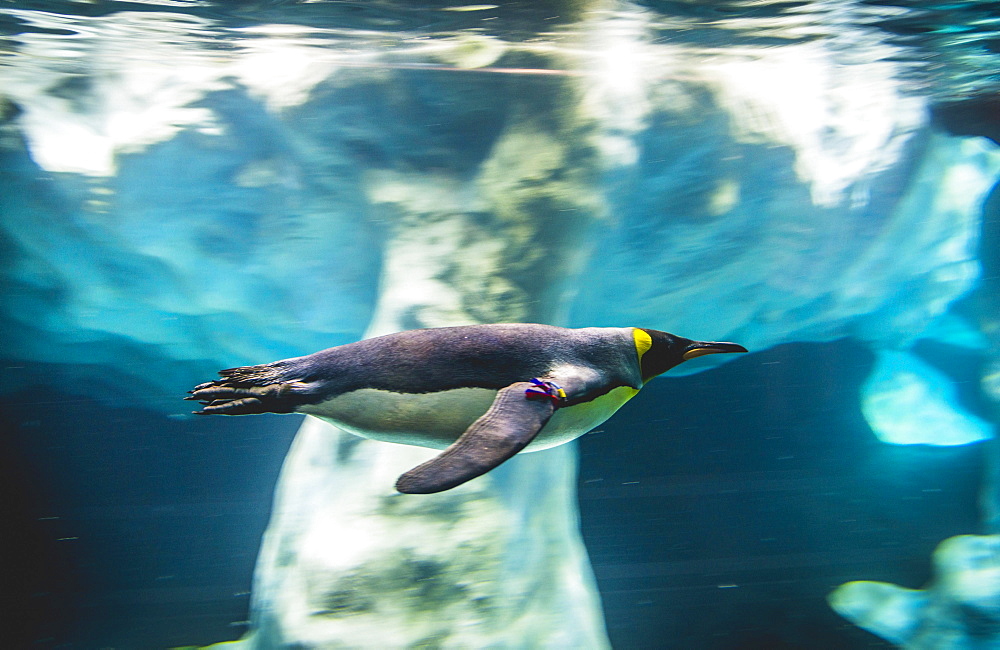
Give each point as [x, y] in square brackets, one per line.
[701, 348]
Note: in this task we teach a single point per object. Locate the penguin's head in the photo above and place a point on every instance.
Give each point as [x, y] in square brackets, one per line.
[660, 351]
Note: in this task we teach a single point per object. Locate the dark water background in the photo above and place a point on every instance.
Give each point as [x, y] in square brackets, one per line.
[717, 509]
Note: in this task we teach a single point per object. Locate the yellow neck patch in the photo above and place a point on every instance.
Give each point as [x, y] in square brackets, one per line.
[642, 341]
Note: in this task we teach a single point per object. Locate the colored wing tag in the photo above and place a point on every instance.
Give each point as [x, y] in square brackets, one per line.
[545, 390]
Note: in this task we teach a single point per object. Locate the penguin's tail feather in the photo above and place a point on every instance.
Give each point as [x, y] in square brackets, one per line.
[248, 390]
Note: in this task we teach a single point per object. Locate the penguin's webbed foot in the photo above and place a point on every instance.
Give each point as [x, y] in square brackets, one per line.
[244, 406]
[218, 398]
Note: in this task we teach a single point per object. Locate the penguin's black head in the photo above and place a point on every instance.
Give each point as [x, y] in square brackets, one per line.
[663, 351]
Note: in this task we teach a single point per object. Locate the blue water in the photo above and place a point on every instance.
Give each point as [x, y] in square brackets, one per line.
[725, 529]
[718, 509]
[708, 526]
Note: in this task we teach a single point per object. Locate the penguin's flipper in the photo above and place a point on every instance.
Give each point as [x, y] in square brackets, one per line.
[509, 425]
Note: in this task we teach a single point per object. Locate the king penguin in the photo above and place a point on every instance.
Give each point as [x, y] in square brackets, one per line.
[482, 393]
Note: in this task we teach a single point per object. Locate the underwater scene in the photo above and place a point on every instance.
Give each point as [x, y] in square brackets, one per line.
[316, 316]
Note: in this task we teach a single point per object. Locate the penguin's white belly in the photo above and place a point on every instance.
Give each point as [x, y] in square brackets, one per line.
[436, 420]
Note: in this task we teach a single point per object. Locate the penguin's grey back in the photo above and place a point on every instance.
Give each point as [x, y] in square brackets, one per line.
[480, 356]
